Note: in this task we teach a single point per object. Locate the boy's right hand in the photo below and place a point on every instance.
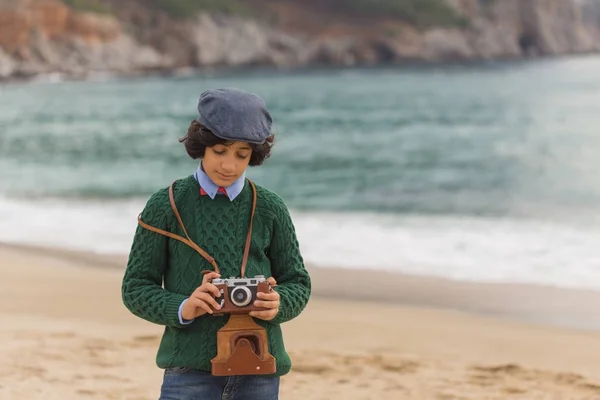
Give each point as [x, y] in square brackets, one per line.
[202, 301]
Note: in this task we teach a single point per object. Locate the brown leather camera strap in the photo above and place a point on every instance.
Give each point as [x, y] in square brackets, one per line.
[193, 245]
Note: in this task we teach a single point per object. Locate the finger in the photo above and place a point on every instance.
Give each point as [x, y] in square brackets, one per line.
[264, 315]
[210, 288]
[266, 304]
[210, 276]
[271, 281]
[207, 298]
[268, 296]
[201, 304]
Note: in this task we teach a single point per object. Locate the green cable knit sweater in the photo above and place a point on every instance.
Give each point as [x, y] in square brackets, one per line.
[162, 272]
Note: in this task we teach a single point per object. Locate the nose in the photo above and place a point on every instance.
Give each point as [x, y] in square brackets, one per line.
[228, 165]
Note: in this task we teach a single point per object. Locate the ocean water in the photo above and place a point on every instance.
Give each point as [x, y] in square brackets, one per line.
[486, 172]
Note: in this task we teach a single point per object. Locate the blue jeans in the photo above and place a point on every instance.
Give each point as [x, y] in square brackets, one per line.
[190, 384]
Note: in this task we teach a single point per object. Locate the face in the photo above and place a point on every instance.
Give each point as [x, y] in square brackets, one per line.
[224, 163]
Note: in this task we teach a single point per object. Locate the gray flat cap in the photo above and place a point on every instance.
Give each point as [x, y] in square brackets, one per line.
[233, 114]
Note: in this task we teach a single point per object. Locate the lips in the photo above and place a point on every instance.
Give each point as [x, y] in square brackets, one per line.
[226, 177]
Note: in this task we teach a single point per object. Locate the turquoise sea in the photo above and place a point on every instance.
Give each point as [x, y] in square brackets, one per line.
[485, 172]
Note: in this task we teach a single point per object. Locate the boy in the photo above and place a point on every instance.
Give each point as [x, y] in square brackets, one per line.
[168, 282]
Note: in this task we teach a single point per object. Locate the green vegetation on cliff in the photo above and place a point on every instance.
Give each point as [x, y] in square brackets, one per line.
[421, 13]
[175, 8]
[188, 8]
[88, 5]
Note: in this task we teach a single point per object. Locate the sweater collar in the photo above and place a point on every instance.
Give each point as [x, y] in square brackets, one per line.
[211, 188]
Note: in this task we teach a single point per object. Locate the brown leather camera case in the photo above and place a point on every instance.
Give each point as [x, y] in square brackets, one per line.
[242, 349]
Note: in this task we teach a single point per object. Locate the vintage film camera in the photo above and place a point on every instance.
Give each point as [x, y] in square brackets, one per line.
[238, 294]
[242, 344]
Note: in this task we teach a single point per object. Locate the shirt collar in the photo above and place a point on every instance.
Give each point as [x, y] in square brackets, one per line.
[211, 188]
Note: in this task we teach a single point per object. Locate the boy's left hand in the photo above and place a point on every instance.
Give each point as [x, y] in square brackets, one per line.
[267, 300]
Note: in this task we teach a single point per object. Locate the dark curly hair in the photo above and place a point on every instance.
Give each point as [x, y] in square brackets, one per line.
[198, 138]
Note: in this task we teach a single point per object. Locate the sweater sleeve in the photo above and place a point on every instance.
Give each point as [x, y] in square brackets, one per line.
[287, 266]
[141, 289]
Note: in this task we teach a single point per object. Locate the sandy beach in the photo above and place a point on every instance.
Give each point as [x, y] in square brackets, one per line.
[66, 335]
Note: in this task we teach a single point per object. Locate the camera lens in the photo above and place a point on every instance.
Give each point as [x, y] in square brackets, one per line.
[241, 296]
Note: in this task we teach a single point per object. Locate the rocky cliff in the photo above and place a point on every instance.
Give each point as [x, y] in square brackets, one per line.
[514, 28]
[46, 36]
